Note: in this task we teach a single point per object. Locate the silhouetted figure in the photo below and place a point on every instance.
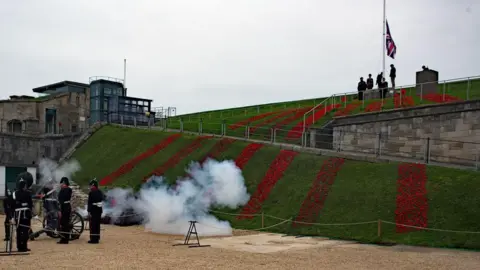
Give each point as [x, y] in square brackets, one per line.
[379, 80]
[384, 88]
[64, 197]
[393, 75]
[370, 82]
[362, 86]
[95, 209]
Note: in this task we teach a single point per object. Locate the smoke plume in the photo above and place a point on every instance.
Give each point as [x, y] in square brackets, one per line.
[167, 209]
[51, 171]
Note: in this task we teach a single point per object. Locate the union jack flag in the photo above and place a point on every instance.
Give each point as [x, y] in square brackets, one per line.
[391, 47]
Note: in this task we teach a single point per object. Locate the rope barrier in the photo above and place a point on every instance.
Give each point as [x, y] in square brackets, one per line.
[429, 229]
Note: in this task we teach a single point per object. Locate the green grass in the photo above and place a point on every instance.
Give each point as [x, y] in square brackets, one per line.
[212, 120]
[361, 191]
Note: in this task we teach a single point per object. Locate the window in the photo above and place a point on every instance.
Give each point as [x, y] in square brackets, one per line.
[77, 101]
[107, 91]
[94, 104]
[58, 152]
[14, 126]
[74, 128]
[94, 91]
[46, 151]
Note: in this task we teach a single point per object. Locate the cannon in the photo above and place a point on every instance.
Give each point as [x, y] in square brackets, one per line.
[52, 214]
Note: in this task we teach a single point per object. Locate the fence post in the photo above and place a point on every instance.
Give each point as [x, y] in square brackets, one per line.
[274, 135]
[421, 92]
[224, 126]
[379, 141]
[476, 161]
[427, 151]
[271, 135]
[468, 89]
[345, 100]
[200, 126]
[263, 220]
[379, 228]
[247, 130]
[258, 109]
[181, 125]
[444, 88]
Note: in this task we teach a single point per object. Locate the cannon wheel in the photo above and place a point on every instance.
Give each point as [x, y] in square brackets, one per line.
[77, 224]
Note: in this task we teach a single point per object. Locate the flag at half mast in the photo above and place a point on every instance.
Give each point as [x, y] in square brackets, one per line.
[391, 47]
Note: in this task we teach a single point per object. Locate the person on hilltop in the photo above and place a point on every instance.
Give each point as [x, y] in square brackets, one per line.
[370, 82]
[379, 80]
[393, 75]
[362, 86]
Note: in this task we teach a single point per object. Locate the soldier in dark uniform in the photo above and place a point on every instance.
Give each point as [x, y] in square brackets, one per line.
[9, 210]
[64, 197]
[95, 207]
[23, 214]
[51, 209]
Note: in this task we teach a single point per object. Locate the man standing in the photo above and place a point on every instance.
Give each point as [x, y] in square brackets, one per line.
[8, 209]
[393, 75]
[64, 197]
[95, 207]
[362, 86]
[23, 214]
[379, 80]
[370, 82]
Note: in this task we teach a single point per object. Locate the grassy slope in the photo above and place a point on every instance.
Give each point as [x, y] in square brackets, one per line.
[212, 120]
[361, 191]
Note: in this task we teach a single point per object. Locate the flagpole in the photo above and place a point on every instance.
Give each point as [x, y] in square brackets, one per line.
[383, 39]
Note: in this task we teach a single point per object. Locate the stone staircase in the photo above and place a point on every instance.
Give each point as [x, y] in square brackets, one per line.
[79, 198]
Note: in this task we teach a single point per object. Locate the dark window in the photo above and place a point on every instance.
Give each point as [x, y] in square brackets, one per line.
[14, 126]
[107, 91]
[77, 101]
[47, 151]
[74, 128]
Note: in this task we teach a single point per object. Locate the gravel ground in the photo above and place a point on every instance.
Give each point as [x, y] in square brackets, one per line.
[133, 248]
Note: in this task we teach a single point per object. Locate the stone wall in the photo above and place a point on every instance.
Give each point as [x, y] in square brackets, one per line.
[441, 132]
[25, 148]
[72, 111]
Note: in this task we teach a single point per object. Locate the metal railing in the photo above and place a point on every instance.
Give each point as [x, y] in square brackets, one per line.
[429, 150]
[95, 78]
[448, 89]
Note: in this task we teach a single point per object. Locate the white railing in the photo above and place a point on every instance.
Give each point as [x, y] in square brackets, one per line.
[95, 78]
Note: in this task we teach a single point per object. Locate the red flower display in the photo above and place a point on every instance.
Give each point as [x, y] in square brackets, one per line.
[439, 98]
[173, 160]
[274, 173]
[313, 203]
[404, 101]
[251, 119]
[344, 99]
[220, 147]
[247, 154]
[299, 114]
[374, 106]
[272, 119]
[412, 201]
[296, 131]
[127, 167]
[348, 109]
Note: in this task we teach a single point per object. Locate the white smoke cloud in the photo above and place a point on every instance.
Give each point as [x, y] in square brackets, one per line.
[168, 210]
[52, 171]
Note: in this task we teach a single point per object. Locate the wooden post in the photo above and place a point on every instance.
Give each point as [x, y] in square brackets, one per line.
[263, 221]
[379, 228]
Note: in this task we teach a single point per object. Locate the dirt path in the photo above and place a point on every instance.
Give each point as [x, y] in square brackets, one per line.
[132, 248]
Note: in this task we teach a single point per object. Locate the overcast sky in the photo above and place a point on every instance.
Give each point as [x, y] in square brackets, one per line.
[210, 54]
